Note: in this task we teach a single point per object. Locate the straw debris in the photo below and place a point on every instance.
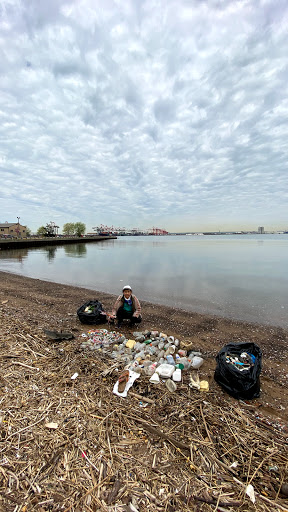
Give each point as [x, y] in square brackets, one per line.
[72, 445]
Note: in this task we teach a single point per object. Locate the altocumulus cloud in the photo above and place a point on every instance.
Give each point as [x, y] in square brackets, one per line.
[143, 113]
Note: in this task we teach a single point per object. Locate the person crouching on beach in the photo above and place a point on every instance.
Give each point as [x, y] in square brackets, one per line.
[127, 306]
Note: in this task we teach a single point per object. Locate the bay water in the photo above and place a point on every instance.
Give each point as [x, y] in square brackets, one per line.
[243, 277]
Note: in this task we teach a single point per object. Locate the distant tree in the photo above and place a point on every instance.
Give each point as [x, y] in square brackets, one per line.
[48, 230]
[79, 228]
[69, 228]
[28, 232]
[41, 231]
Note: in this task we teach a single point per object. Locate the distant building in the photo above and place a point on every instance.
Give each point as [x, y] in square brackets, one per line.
[261, 230]
[12, 230]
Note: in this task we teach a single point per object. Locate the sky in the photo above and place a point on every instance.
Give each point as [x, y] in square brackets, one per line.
[144, 113]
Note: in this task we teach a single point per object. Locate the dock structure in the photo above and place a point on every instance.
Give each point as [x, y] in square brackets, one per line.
[20, 243]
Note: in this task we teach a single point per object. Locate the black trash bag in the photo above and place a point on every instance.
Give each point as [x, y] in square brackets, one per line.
[244, 384]
[92, 313]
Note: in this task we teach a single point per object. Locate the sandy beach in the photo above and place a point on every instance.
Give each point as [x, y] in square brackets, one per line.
[53, 306]
[36, 387]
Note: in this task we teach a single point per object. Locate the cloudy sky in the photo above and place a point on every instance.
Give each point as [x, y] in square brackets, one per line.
[142, 113]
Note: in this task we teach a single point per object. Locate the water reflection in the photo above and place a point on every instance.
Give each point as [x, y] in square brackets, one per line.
[75, 250]
[50, 252]
[17, 254]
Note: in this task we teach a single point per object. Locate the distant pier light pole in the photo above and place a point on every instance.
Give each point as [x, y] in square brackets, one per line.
[18, 228]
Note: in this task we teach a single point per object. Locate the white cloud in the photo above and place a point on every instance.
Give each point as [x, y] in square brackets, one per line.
[144, 113]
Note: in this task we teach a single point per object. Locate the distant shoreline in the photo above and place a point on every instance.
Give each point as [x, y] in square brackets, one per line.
[42, 242]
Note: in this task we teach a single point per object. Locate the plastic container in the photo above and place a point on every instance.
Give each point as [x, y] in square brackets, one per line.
[155, 378]
[170, 385]
[165, 370]
[177, 375]
[171, 349]
[196, 362]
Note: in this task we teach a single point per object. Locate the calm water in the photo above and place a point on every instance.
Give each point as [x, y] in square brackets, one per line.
[241, 277]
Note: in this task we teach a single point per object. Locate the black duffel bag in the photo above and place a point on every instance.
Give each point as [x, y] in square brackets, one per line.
[92, 313]
[243, 384]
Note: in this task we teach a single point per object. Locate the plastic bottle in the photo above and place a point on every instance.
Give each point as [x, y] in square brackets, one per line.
[196, 362]
[170, 360]
[185, 362]
[149, 370]
[177, 375]
[139, 355]
[171, 349]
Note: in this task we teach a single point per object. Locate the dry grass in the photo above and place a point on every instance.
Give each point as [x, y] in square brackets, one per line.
[72, 445]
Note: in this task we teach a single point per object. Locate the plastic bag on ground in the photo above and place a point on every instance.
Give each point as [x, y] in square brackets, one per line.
[242, 381]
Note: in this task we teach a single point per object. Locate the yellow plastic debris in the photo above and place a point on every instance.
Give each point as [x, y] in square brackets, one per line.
[130, 343]
[204, 385]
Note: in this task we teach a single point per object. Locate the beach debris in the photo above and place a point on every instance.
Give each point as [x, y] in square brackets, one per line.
[130, 343]
[58, 336]
[51, 425]
[250, 492]
[238, 369]
[177, 375]
[155, 379]
[165, 370]
[128, 380]
[74, 376]
[122, 381]
[170, 385]
[119, 452]
[204, 385]
[194, 381]
[197, 362]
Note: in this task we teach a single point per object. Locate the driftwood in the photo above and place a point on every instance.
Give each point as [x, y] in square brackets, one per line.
[71, 445]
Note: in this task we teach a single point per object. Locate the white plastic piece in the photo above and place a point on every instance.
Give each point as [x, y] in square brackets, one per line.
[250, 492]
[165, 370]
[155, 378]
[194, 381]
[197, 362]
[177, 375]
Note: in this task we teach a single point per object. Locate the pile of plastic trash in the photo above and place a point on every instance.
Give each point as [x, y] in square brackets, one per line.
[151, 353]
